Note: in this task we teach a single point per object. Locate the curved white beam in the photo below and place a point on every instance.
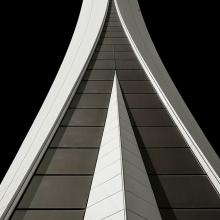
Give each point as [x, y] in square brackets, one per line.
[81, 47]
[134, 26]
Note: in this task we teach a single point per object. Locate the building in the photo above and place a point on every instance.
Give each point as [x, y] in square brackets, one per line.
[113, 139]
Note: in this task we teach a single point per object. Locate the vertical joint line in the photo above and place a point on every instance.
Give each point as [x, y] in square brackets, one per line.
[121, 159]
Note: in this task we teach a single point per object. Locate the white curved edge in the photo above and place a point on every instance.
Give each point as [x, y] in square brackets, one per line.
[134, 26]
[82, 45]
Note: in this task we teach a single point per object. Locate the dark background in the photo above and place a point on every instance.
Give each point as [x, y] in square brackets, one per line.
[35, 36]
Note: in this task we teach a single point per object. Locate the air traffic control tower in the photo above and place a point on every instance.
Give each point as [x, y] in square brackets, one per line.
[113, 139]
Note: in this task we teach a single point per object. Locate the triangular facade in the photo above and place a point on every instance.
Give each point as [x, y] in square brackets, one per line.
[113, 140]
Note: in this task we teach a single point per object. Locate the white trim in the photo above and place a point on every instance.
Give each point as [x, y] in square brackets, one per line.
[117, 89]
[165, 88]
[84, 40]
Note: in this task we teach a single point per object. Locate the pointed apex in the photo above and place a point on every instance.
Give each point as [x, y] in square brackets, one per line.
[120, 187]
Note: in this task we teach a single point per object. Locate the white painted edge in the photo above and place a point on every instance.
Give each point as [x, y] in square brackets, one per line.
[82, 45]
[167, 91]
[117, 91]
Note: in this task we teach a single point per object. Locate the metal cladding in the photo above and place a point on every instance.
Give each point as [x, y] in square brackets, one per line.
[117, 151]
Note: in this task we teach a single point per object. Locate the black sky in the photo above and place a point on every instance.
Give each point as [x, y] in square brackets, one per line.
[35, 36]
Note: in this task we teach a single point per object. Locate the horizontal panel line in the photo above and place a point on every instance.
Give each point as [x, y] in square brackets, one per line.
[110, 50]
[140, 93]
[112, 13]
[121, 59]
[83, 126]
[113, 44]
[86, 108]
[128, 80]
[113, 36]
[107, 19]
[134, 80]
[178, 174]
[169, 174]
[162, 147]
[148, 108]
[101, 69]
[116, 68]
[106, 29]
[110, 24]
[112, 20]
[112, 16]
[107, 34]
[119, 31]
[83, 148]
[214, 208]
[128, 69]
[86, 80]
[117, 45]
[62, 174]
[92, 93]
[189, 208]
[136, 93]
[154, 126]
[39, 209]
